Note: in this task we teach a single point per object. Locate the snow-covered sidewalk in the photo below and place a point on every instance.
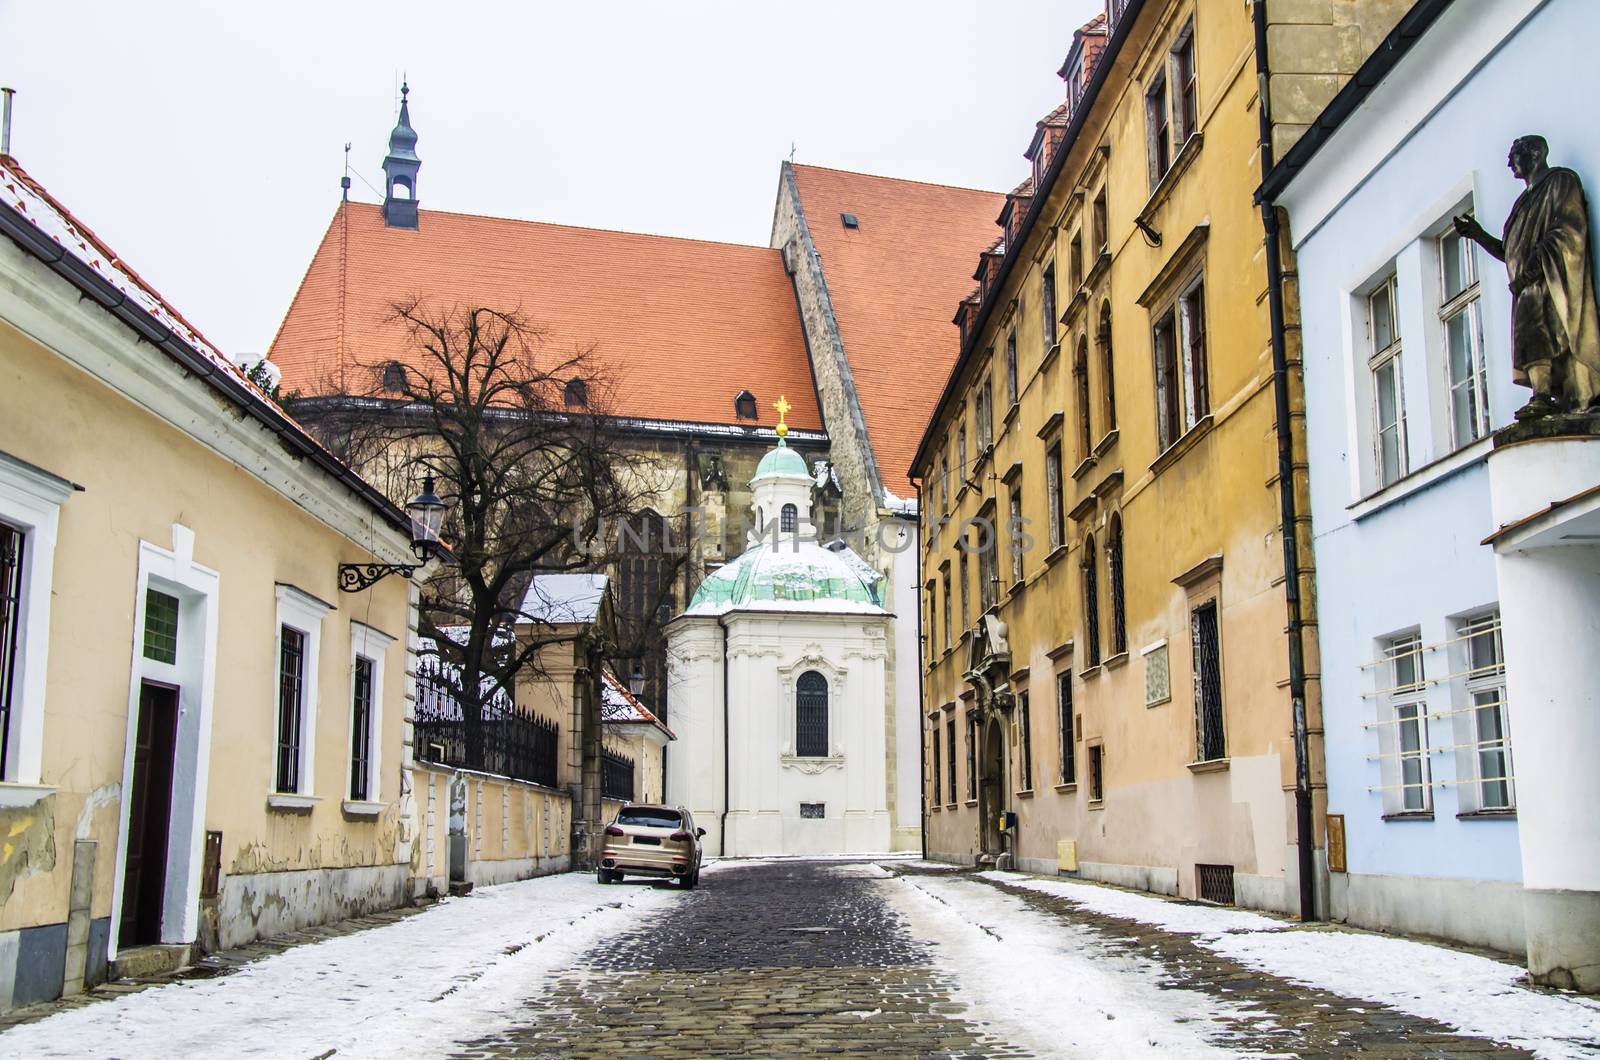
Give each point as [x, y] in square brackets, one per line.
[458, 971]
[1474, 995]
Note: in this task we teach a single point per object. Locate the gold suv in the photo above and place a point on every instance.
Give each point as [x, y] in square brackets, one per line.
[652, 841]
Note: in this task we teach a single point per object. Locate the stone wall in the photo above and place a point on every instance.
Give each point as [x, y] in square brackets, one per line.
[1314, 46]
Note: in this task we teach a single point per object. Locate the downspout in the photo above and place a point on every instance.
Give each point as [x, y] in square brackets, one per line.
[1305, 834]
[922, 689]
[722, 824]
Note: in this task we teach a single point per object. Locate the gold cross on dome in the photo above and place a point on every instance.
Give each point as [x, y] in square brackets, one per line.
[783, 407]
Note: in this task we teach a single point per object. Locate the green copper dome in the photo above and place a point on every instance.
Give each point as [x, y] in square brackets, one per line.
[781, 460]
[783, 577]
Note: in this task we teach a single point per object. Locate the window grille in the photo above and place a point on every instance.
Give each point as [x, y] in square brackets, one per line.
[1463, 339]
[1080, 378]
[813, 811]
[789, 519]
[972, 756]
[948, 642]
[11, 555]
[950, 757]
[1025, 752]
[938, 775]
[361, 730]
[1064, 728]
[1215, 883]
[1409, 709]
[1388, 399]
[160, 626]
[1053, 486]
[291, 703]
[1157, 676]
[1047, 305]
[1091, 602]
[1097, 774]
[1119, 611]
[1486, 692]
[1210, 742]
[811, 715]
[616, 776]
[1108, 374]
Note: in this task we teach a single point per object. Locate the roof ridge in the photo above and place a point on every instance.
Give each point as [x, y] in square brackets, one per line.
[582, 228]
[899, 180]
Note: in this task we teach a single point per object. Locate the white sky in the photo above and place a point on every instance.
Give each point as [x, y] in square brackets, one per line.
[203, 140]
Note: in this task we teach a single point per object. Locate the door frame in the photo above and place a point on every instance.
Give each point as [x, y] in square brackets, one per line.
[194, 675]
[992, 790]
[119, 914]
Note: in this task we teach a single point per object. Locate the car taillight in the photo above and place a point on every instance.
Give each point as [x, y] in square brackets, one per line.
[612, 829]
[682, 836]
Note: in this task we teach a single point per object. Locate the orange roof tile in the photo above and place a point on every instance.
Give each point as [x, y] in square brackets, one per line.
[892, 282]
[678, 326]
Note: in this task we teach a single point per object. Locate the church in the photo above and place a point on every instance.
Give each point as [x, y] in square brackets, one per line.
[844, 313]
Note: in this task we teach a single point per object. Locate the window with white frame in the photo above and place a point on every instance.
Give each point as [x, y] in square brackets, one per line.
[368, 647]
[1182, 386]
[1388, 398]
[299, 642]
[30, 502]
[1406, 777]
[1487, 727]
[1462, 325]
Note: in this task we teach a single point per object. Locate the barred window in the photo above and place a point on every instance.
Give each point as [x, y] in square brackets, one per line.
[1025, 740]
[1080, 378]
[361, 730]
[1097, 773]
[1119, 610]
[972, 756]
[934, 756]
[1108, 375]
[1091, 601]
[788, 519]
[811, 715]
[950, 757]
[1406, 757]
[291, 706]
[1210, 740]
[1490, 733]
[966, 591]
[1064, 730]
[11, 574]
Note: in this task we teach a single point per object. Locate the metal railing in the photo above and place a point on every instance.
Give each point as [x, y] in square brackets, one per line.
[506, 740]
[616, 776]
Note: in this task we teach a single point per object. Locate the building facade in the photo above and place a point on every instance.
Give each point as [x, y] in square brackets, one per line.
[1407, 351]
[204, 739]
[1108, 680]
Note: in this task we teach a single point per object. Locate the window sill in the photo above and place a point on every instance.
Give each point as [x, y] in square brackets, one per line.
[1102, 262]
[1054, 555]
[1025, 793]
[1103, 446]
[969, 802]
[1410, 815]
[1084, 467]
[1097, 804]
[1153, 704]
[1119, 659]
[1187, 441]
[1017, 587]
[1067, 789]
[1420, 479]
[291, 803]
[362, 808]
[1487, 815]
[811, 763]
[1050, 356]
[1011, 414]
[1090, 672]
[935, 808]
[1076, 306]
[1169, 179]
[18, 796]
[1215, 765]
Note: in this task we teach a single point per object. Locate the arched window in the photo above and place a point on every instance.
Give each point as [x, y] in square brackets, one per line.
[576, 393]
[394, 377]
[744, 405]
[1091, 601]
[789, 519]
[1119, 609]
[644, 598]
[1080, 371]
[1108, 375]
[811, 716]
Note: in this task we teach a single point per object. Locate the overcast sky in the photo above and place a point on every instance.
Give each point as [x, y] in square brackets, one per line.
[204, 140]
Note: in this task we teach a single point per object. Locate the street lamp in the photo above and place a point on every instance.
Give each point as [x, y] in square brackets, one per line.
[636, 682]
[427, 516]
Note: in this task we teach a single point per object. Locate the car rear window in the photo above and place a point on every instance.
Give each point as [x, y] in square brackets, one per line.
[649, 818]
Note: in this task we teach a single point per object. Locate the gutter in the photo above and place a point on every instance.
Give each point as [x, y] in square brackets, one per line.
[922, 696]
[95, 287]
[1102, 70]
[722, 823]
[1305, 833]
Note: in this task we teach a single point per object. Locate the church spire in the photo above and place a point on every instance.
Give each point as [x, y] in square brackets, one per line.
[400, 170]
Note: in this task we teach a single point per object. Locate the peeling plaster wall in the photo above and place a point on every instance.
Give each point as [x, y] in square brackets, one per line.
[261, 904]
[514, 830]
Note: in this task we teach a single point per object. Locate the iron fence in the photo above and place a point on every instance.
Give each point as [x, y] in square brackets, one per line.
[509, 740]
[616, 776]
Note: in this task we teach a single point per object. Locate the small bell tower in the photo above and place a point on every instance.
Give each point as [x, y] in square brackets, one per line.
[400, 170]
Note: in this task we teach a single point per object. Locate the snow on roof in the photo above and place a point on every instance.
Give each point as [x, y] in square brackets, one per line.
[619, 706]
[560, 599]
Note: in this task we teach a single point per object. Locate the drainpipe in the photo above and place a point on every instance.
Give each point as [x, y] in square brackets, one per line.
[1305, 834]
[722, 824]
[5, 120]
[922, 689]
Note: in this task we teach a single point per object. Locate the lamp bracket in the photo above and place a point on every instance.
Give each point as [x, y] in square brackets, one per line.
[354, 577]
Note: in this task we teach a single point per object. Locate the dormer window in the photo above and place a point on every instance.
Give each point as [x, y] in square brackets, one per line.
[850, 220]
[576, 394]
[394, 377]
[744, 405]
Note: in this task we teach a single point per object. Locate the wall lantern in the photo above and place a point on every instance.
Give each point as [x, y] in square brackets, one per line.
[427, 516]
[636, 682]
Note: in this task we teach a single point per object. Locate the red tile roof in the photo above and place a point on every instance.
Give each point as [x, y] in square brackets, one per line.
[679, 326]
[892, 282]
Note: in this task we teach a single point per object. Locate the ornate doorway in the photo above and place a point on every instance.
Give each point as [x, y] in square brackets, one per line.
[992, 800]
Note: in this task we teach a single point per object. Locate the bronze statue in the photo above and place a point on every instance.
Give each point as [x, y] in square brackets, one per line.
[1555, 333]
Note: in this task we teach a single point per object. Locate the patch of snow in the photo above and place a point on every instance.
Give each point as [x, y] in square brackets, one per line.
[1055, 987]
[413, 988]
[1475, 995]
[1179, 918]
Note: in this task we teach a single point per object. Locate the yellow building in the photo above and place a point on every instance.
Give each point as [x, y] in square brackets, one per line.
[204, 739]
[1116, 672]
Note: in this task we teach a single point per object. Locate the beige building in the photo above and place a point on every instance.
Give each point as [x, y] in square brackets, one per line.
[1109, 689]
[204, 739]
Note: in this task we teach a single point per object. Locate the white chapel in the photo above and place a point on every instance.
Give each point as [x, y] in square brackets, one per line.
[777, 676]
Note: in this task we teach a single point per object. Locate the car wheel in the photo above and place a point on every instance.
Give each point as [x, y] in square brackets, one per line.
[602, 876]
[688, 882]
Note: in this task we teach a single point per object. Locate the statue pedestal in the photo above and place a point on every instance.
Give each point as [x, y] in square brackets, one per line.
[1544, 481]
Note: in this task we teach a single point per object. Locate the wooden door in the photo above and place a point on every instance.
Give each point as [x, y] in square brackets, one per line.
[144, 878]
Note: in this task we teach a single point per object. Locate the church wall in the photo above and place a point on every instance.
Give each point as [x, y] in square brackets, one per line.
[694, 687]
